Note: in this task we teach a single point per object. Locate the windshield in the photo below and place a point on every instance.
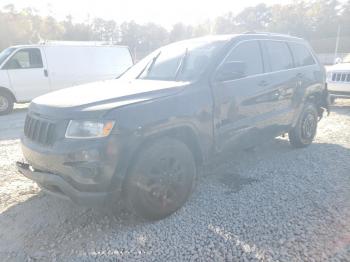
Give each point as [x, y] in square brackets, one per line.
[182, 61]
[5, 54]
[346, 59]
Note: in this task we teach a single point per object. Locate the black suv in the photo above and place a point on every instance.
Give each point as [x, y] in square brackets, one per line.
[140, 138]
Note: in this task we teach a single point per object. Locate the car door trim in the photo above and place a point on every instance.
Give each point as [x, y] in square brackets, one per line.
[265, 73]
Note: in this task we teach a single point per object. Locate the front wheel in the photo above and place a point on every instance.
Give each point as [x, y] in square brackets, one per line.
[161, 179]
[6, 103]
[304, 132]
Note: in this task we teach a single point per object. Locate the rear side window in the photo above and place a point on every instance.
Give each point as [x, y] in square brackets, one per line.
[24, 59]
[248, 53]
[302, 56]
[279, 55]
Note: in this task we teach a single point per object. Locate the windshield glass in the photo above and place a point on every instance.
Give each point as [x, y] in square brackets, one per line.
[5, 53]
[346, 59]
[182, 61]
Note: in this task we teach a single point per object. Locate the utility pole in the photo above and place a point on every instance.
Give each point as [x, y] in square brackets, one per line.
[337, 43]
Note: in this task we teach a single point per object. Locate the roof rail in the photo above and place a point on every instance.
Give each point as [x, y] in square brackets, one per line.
[85, 43]
[268, 33]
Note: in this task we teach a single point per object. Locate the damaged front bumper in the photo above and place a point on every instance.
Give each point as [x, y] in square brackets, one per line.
[57, 186]
[85, 173]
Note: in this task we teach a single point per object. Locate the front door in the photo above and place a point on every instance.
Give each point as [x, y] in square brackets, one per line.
[27, 74]
[243, 106]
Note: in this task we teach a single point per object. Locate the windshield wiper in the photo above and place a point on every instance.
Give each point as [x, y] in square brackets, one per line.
[124, 72]
[149, 65]
[182, 65]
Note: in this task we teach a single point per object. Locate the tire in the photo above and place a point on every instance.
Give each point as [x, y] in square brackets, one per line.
[161, 179]
[6, 103]
[304, 132]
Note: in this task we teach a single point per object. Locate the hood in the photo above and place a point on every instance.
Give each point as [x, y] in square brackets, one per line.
[339, 67]
[104, 95]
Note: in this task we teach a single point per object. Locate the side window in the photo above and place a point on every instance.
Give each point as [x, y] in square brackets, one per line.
[279, 55]
[24, 59]
[249, 54]
[302, 56]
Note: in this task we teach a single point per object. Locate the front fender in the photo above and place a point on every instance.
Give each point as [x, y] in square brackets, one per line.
[190, 110]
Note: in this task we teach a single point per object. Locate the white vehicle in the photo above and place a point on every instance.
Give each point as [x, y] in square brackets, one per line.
[28, 71]
[338, 79]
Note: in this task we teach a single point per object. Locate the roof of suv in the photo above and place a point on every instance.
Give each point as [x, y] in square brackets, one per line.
[247, 35]
[265, 35]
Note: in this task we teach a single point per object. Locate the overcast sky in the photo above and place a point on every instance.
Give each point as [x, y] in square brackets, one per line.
[165, 13]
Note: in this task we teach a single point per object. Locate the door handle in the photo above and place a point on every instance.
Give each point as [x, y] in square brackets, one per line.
[46, 73]
[263, 83]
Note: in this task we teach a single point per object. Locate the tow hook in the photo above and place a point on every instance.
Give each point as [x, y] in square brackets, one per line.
[22, 165]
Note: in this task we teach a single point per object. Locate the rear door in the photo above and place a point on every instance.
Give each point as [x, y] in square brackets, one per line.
[283, 77]
[309, 75]
[243, 106]
[27, 74]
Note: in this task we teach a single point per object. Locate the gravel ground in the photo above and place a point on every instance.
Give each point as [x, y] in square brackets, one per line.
[271, 204]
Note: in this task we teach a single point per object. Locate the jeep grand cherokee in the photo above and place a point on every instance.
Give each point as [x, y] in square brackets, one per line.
[141, 137]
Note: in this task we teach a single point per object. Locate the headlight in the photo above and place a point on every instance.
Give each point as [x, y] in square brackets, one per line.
[329, 76]
[88, 129]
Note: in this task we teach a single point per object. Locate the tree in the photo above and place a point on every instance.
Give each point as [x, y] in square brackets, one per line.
[180, 32]
[324, 17]
[76, 31]
[153, 36]
[203, 29]
[254, 18]
[315, 20]
[105, 30]
[291, 19]
[49, 29]
[225, 24]
[344, 20]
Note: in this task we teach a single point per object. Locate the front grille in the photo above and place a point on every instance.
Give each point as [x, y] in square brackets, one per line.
[39, 130]
[341, 77]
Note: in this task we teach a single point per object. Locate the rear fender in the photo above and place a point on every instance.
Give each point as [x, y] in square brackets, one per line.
[320, 99]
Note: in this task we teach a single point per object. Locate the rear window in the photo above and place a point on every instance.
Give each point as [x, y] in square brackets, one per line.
[301, 55]
[279, 55]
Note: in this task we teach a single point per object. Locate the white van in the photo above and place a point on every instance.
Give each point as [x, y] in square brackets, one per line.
[28, 71]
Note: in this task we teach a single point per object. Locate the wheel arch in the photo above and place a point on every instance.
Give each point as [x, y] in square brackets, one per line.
[185, 134]
[320, 100]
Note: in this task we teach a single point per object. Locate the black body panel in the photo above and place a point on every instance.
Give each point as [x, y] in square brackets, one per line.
[207, 114]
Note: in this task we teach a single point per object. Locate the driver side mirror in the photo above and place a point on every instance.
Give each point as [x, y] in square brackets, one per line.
[231, 71]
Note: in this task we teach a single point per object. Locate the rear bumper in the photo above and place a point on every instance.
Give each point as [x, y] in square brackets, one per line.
[57, 186]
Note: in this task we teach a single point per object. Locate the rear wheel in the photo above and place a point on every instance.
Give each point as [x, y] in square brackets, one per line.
[161, 180]
[304, 132]
[6, 103]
